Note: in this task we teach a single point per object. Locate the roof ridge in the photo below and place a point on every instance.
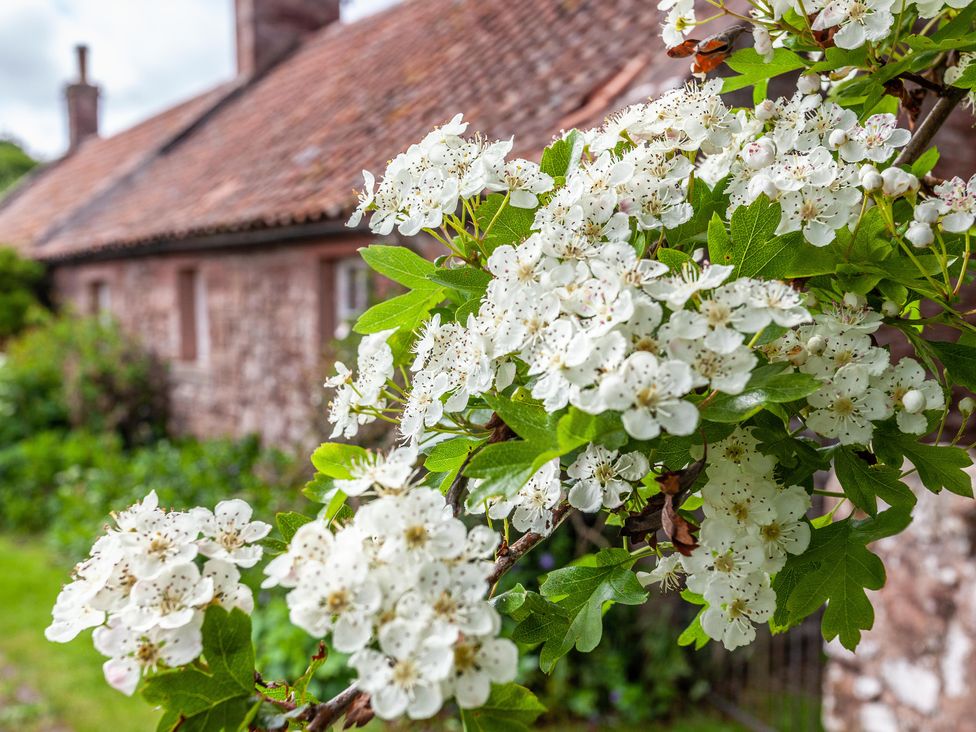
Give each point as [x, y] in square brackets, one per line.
[234, 88]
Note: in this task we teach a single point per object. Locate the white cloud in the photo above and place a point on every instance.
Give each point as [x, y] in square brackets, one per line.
[145, 55]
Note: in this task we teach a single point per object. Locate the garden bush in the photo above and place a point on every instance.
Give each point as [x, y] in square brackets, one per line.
[20, 282]
[81, 373]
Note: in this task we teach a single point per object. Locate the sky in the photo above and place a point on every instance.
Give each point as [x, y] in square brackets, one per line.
[146, 55]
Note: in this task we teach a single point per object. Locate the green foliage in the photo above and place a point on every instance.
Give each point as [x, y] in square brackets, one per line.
[20, 280]
[401, 265]
[754, 69]
[505, 224]
[81, 373]
[14, 163]
[510, 708]
[836, 569]
[215, 699]
[562, 155]
[335, 459]
[403, 311]
[863, 483]
[571, 613]
[768, 385]
[959, 360]
[939, 466]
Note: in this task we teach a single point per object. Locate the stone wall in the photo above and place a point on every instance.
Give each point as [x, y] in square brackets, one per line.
[264, 367]
[915, 671]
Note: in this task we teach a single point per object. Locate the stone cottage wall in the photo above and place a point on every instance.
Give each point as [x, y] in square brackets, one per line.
[264, 369]
[915, 671]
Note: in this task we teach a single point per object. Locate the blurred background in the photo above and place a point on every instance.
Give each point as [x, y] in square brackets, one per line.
[176, 279]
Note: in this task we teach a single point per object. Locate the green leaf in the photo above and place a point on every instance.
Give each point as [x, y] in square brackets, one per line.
[219, 697]
[510, 708]
[336, 459]
[400, 265]
[694, 634]
[465, 279]
[767, 385]
[471, 306]
[719, 244]
[939, 466]
[836, 58]
[581, 591]
[450, 454]
[402, 311]
[512, 226]
[864, 484]
[705, 202]
[753, 68]
[925, 162]
[289, 522]
[509, 602]
[529, 421]
[959, 360]
[562, 155]
[837, 568]
[577, 428]
[503, 467]
[755, 250]
[674, 258]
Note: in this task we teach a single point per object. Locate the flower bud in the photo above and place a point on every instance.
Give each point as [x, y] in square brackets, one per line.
[837, 138]
[759, 153]
[853, 300]
[871, 179]
[763, 42]
[913, 401]
[927, 212]
[896, 181]
[765, 110]
[890, 309]
[808, 84]
[816, 344]
[966, 406]
[920, 235]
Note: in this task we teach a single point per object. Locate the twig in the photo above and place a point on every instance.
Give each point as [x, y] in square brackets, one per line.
[927, 130]
[522, 547]
[328, 712]
[459, 486]
[924, 83]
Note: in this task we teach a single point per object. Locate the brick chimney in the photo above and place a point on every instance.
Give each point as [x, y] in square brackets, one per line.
[82, 99]
[269, 29]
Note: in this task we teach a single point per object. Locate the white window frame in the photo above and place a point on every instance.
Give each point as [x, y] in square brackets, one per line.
[352, 281]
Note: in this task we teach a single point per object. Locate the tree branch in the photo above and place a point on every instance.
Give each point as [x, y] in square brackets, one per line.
[328, 712]
[927, 130]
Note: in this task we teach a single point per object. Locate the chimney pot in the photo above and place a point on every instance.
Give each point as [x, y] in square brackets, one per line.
[267, 30]
[82, 101]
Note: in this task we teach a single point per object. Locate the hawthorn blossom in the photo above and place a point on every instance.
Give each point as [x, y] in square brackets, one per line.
[228, 532]
[604, 477]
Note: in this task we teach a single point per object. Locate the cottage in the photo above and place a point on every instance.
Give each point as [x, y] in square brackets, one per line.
[215, 230]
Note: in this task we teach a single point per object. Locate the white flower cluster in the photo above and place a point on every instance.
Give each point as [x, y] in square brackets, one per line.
[424, 183]
[598, 326]
[402, 588]
[751, 524]
[850, 23]
[142, 591]
[860, 384]
[358, 399]
[952, 209]
[801, 152]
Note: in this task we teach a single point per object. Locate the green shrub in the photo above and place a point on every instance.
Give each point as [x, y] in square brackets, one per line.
[83, 374]
[183, 474]
[20, 281]
[31, 470]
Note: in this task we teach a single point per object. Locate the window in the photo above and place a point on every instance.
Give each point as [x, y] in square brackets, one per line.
[192, 305]
[99, 298]
[351, 293]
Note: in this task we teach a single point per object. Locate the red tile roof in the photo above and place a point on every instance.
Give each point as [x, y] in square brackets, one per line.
[50, 197]
[289, 147]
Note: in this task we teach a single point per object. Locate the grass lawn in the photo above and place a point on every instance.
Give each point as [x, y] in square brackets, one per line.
[48, 686]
